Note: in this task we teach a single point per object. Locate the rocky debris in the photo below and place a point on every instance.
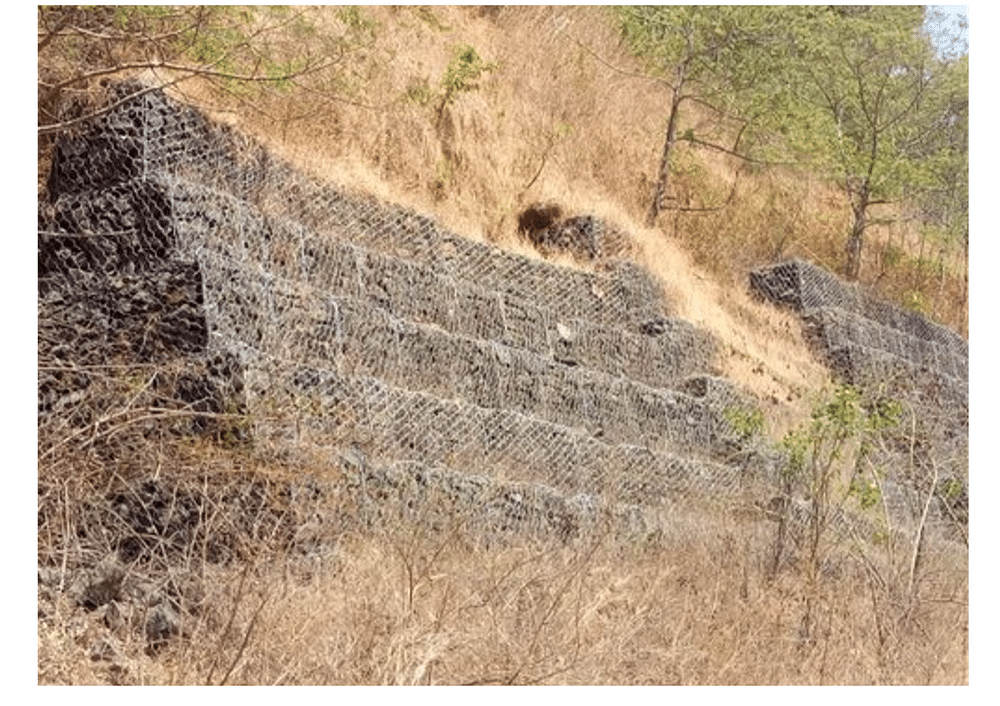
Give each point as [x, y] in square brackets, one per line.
[162, 540]
[585, 237]
[580, 236]
[103, 586]
[144, 318]
[124, 229]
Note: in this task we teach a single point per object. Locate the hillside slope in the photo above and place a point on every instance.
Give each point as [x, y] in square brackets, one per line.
[555, 120]
[311, 410]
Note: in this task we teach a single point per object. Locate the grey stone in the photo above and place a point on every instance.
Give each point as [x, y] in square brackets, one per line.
[162, 624]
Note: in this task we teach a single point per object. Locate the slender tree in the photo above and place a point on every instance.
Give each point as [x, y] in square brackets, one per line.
[727, 60]
[879, 100]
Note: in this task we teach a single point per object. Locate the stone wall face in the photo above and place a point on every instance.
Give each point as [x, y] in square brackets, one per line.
[370, 329]
[865, 339]
[351, 328]
[897, 353]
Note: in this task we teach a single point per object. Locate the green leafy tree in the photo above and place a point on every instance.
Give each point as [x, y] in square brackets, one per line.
[728, 60]
[876, 98]
[944, 203]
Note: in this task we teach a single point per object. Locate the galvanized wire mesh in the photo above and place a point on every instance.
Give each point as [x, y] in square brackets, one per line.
[894, 354]
[425, 365]
[351, 328]
[868, 341]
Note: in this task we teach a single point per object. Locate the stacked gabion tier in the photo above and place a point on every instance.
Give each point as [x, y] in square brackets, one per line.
[866, 340]
[368, 334]
[896, 353]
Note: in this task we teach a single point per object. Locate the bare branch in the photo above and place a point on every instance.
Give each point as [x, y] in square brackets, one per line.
[189, 72]
[623, 72]
[120, 37]
[53, 34]
[746, 158]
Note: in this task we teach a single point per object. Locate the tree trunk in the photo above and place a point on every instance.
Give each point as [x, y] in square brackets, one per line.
[965, 287]
[662, 187]
[855, 241]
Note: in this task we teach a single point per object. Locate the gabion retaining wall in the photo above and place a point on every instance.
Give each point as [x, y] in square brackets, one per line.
[901, 355]
[351, 328]
[804, 286]
[668, 351]
[868, 341]
[345, 323]
[392, 424]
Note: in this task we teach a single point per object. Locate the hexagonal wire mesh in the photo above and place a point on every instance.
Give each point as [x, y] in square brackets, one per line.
[344, 324]
[899, 355]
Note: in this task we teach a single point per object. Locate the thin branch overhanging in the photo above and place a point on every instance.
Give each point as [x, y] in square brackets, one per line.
[189, 72]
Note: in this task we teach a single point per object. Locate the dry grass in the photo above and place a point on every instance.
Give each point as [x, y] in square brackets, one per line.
[568, 115]
[698, 601]
[694, 605]
[697, 606]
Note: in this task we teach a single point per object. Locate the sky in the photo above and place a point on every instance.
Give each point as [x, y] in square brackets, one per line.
[949, 25]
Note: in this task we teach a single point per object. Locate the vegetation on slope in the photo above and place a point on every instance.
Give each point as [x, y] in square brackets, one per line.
[473, 113]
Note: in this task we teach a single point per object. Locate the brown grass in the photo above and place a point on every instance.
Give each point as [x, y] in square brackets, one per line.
[696, 606]
[700, 600]
[568, 114]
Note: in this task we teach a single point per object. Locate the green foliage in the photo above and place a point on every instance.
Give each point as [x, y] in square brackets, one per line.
[748, 423]
[825, 459]
[131, 18]
[867, 493]
[729, 59]
[563, 130]
[463, 72]
[892, 256]
[245, 52]
[228, 39]
[420, 92]
[883, 115]
[952, 489]
[428, 17]
[461, 76]
[222, 42]
[856, 92]
[361, 27]
[865, 74]
[916, 300]
[445, 173]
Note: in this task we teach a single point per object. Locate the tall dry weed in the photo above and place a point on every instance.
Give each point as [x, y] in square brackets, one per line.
[695, 607]
[565, 118]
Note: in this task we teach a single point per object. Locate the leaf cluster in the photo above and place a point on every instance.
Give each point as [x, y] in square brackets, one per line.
[858, 93]
[463, 73]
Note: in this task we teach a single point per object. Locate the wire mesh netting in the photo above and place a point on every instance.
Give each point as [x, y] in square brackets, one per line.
[899, 355]
[869, 341]
[425, 365]
[343, 323]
